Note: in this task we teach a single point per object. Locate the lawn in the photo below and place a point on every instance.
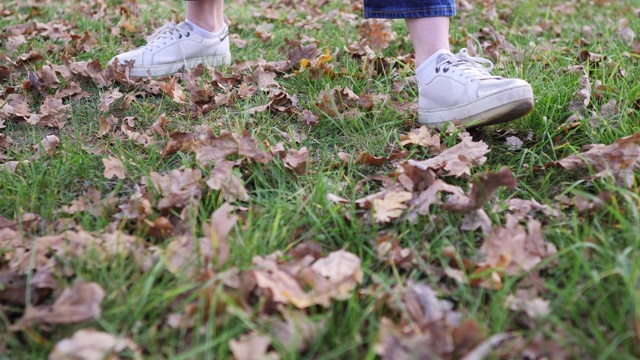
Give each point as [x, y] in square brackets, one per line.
[289, 206]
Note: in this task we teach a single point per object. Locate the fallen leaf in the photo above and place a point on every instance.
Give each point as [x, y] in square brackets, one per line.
[422, 137]
[49, 144]
[108, 98]
[458, 159]
[619, 160]
[376, 33]
[113, 167]
[391, 206]
[89, 344]
[76, 304]
[297, 160]
[297, 332]
[515, 250]
[583, 94]
[252, 346]
[223, 178]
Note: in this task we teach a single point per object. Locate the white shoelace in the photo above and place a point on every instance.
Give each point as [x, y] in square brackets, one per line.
[467, 66]
[168, 30]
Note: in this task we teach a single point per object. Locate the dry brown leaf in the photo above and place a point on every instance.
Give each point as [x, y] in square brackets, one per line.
[49, 144]
[586, 204]
[76, 304]
[333, 277]
[284, 287]
[432, 195]
[522, 208]
[297, 331]
[426, 327]
[421, 136]
[513, 143]
[458, 159]
[89, 344]
[141, 138]
[368, 159]
[158, 126]
[11, 166]
[252, 346]
[619, 160]
[179, 141]
[218, 229]
[191, 257]
[515, 250]
[174, 90]
[297, 160]
[298, 52]
[391, 206]
[389, 251]
[376, 33]
[477, 219]
[583, 94]
[210, 148]
[535, 308]
[106, 125]
[178, 188]
[339, 265]
[113, 167]
[482, 189]
[108, 98]
[247, 147]
[223, 178]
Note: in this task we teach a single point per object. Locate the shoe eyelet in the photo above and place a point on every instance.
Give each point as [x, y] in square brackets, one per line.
[445, 70]
[188, 34]
[180, 36]
[437, 70]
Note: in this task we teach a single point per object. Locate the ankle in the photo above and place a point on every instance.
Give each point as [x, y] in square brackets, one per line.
[204, 31]
[209, 24]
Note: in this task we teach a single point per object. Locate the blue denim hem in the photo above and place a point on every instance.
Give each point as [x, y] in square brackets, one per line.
[410, 13]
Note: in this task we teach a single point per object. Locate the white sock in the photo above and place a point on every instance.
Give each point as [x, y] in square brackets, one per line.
[431, 62]
[205, 33]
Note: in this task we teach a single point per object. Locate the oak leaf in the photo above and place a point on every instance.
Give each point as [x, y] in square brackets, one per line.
[89, 344]
[620, 160]
[247, 147]
[458, 159]
[297, 160]
[76, 304]
[515, 250]
[113, 167]
[108, 98]
[391, 206]
[223, 178]
[422, 136]
[252, 346]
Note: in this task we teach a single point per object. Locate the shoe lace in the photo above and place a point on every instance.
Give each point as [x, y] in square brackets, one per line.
[167, 31]
[467, 66]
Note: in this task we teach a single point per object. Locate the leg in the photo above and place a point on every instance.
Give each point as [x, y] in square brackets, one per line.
[428, 35]
[208, 14]
[202, 38]
[452, 88]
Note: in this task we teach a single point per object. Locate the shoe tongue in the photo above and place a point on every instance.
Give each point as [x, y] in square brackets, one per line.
[443, 57]
[185, 25]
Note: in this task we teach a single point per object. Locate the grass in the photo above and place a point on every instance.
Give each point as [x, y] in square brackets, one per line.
[593, 284]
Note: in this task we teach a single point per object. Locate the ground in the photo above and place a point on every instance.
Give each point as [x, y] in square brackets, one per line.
[289, 206]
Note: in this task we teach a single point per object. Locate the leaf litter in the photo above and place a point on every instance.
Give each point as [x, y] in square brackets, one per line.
[417, 321]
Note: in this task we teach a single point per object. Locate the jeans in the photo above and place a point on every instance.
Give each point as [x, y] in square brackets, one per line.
[399, 9]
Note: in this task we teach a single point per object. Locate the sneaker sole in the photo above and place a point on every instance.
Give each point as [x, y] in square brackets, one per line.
[172, 68]
[484, 112]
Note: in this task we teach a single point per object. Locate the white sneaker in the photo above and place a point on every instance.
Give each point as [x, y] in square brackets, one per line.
[460, 90]
[175, 47]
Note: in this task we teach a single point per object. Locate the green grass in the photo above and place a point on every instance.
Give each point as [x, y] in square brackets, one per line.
[592, 283]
